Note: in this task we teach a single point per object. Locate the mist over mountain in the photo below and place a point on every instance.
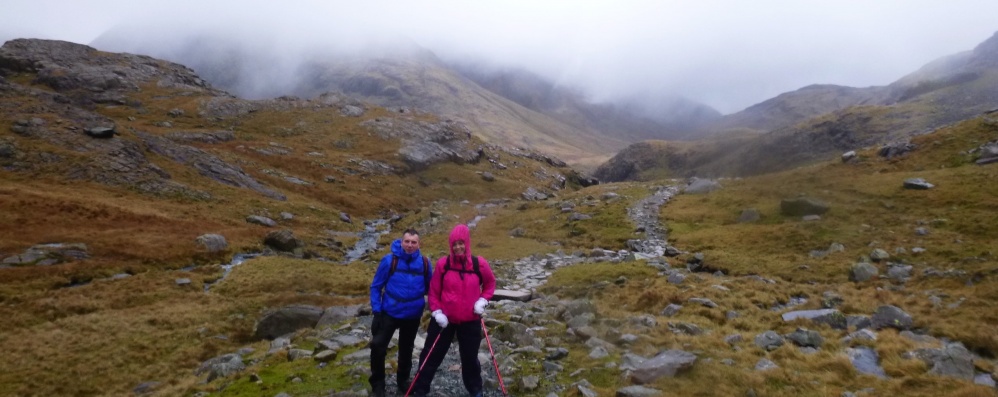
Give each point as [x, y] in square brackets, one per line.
[501, 104]
[819, 122]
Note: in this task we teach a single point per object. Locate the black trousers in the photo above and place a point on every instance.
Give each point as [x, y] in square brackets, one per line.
[469, 339]
[382, 335]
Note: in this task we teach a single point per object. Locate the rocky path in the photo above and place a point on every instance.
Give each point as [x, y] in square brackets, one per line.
[531, 272]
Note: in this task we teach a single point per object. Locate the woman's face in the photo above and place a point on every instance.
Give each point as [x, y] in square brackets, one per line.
[458, 248]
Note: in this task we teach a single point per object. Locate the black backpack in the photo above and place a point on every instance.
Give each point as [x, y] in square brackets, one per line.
[426, 270]
[474, 269]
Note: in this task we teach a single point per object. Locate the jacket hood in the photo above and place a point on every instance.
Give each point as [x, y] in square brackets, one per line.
[461, 233]
[399, 252]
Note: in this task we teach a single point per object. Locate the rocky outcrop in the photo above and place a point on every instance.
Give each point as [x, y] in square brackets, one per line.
[287, 320]
[206, 164]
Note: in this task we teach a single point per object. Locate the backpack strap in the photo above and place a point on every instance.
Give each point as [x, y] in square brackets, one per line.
[474, 267]
[395, 265]
[426, 273]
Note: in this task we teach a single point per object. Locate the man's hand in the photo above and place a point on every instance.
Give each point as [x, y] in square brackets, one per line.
[441, 318]
[376, 322]
[480, 306]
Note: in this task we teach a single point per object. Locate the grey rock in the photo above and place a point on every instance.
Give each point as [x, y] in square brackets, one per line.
[530, 382]
[146, 388]
[986, 380]
[183, 282]
[283, 240]
[667, 363]
[517, 296]
[101, 132]
[488, 177]
[805, 338]
[894, 149]
[765, 364]
[858, 322]
[671, 310]
[287, 320]
[769, 340]
[811, 218]
[221, 366]
[917, 184]
[862, 271]
[206, 164]
[703, 302]
[866, 361]
[345, 217]
[676, 278]
[637, 391]
[351, 111]
[298, 354]
[733, 339]
[531, 194]
[201, 137]
[334, 315]
[861, 335]
[261, 220]
[848, 156]
[555, 354]
[212, 242]
[576, 216]
[953, 360]
[891, 316]
[598, 352]
[878, 255]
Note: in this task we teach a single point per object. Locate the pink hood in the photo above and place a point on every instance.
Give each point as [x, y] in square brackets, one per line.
[455, 291]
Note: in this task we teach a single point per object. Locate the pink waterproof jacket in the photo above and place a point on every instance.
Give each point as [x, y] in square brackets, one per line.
[455, 290]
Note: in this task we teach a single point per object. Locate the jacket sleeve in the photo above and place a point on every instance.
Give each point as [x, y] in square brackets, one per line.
[488, 279]
[380, 279]
[436, 285]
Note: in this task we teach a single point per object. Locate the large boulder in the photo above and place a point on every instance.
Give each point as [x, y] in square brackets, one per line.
[283, 240]
[212, 242]
[335, 314]
[287, 320]
[667, 363]
[891, 316]
[221, 366]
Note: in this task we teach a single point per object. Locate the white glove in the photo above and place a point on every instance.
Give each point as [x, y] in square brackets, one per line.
[480, 306]
[440, 317]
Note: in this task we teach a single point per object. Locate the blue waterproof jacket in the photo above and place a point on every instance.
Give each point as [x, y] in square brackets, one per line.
[403, 295]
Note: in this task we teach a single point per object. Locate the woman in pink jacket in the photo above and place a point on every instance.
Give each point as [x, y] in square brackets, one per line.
[460, 289]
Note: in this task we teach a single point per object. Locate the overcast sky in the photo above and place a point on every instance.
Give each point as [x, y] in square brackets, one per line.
[728, 54]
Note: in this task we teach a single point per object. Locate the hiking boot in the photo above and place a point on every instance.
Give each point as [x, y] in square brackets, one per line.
[403, 386]
[378, 390]
[476, 394]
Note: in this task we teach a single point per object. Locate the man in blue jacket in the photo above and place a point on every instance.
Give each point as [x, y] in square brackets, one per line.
[398, 295]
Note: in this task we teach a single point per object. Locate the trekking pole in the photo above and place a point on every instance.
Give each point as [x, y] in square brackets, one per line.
[494, 362]
[418, 371]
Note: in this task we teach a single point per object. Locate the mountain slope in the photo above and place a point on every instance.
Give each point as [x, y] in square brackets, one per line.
[820, 122]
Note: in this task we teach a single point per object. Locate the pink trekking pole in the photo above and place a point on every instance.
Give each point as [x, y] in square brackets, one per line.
[494, 362]
[415, 378]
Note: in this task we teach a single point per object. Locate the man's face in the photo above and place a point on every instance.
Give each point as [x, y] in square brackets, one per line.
[410, 243]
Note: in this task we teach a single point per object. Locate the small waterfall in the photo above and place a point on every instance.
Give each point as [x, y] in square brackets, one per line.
[237, 260]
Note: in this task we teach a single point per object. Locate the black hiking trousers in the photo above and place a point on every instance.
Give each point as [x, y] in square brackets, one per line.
[382, 334]
[469, 340]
